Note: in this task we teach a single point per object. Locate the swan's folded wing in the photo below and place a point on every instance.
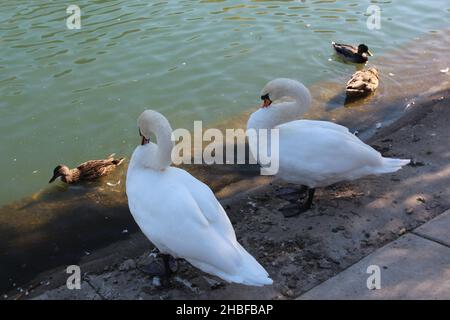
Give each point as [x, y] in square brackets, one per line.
[208, 204]
[305, 124]
[324, 150]
[191, 224]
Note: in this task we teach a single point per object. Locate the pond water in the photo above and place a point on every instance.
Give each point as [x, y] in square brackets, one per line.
[72, 95]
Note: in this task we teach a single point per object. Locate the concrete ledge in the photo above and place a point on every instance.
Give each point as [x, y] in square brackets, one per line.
[411, 268]
[62, 293]
[437, 229]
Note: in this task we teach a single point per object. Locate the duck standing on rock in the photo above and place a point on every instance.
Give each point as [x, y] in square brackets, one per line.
[88, 170]
[351, 53]
[362, 83]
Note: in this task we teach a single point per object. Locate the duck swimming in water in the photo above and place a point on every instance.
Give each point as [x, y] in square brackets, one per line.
[362, 83]
[351, 53]
[88, 170]
[311, 153]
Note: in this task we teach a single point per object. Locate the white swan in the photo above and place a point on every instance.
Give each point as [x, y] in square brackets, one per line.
[313, 153]
[180, 214]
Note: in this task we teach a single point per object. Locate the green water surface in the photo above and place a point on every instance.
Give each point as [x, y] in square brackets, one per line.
[67, 96]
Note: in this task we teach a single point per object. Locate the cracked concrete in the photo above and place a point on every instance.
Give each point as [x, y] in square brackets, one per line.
[411, 267]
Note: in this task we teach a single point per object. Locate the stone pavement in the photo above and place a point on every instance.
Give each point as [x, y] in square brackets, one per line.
[415, 266]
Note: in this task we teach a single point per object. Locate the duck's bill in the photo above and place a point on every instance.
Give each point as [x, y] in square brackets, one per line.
[370, 53]
[53, 179]
[266, 103]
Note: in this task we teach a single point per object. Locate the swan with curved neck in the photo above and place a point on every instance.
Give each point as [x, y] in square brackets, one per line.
[151, 155]
[313, 153]
[271, 114]
[180, 214]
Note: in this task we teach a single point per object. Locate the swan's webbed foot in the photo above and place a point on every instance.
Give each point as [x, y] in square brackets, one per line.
[293, 210]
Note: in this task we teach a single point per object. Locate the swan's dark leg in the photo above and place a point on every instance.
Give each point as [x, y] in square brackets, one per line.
[170, 264]
[306, 205]
[155, 268]
[303, 189]
[294, 210]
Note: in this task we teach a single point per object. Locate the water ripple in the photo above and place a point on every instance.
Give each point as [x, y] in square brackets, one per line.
[192, 60]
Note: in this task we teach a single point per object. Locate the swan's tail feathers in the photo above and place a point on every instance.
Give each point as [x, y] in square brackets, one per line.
[251, 272]
[392, 165]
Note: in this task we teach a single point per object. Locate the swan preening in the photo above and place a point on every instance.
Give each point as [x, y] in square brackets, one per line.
[183, 218]
[179, 214]
[313, 153]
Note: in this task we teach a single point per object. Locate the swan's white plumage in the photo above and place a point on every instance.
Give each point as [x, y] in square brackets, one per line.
[315, 153]
[319, 153]
[182, 217]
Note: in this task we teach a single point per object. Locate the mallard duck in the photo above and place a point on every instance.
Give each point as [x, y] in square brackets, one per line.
[362, 83]
[351, 53]
[88, 170]
[310, 153]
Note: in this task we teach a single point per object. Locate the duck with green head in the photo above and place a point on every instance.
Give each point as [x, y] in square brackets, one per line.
[351, 53]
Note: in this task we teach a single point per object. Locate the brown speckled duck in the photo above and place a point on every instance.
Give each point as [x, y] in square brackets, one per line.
[88, 170]
[351, 53]
[362, 83]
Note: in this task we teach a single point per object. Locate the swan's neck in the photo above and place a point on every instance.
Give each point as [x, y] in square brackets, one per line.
[156, 156]
[278, 113]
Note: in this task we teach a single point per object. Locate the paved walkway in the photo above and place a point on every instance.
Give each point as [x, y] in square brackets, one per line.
[415, 266]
